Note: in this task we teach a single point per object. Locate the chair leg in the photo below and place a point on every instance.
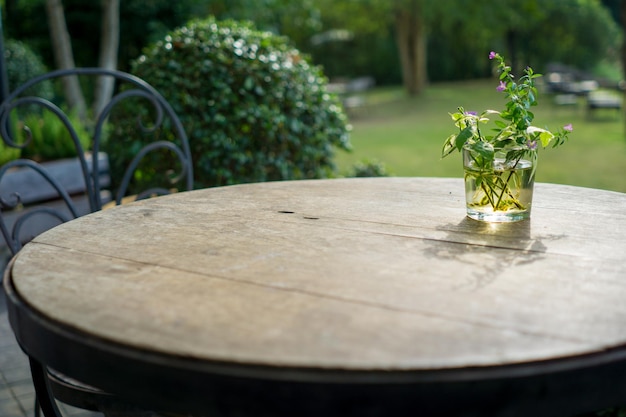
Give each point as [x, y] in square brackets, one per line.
[37, 408]
[42, 391]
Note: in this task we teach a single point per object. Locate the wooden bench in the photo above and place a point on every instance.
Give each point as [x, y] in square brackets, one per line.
[603, 101]
[566, 100]
[351, 91]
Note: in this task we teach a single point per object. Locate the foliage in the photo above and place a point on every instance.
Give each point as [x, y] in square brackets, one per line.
[612, 412]
[49, 137]
[515, 133]
[360, 55]
[587, 35]
[8, 153]
[369, 168]
[252, 105]
[367, 49]
[296, 19]
[141, 22]
[515, 137]
[370, 49]
[22, 64]
[613, 6]
[42, 136]
[458, 31]
[586, 32]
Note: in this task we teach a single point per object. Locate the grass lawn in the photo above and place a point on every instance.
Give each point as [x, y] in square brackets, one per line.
[406, 135]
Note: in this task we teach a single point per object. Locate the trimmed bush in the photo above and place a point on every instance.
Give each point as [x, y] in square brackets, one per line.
[22, 64]
[253, 107]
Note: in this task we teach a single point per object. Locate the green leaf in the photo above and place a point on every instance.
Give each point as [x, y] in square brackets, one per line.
[462, 137]
[448, 146]
[544, 136]
[485, 150]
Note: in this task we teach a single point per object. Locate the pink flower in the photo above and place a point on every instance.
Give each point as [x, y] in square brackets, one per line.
[492, 55]
[501, 87]
[568, 128]
[532, 144]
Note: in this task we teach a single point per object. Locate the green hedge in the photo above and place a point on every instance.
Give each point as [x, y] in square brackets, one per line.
[253, 107]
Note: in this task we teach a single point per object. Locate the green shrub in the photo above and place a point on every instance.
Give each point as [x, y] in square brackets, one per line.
[253, 106]
[369, 168]
[41, 136]
[8, 153]
[22, 64]
[50, 138]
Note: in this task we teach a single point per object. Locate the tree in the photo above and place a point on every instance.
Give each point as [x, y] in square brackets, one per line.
[438, 40]
[109, 44]
[614, 7]
[409, 18]
[296, 19]
[141, 23]
[64, 57]
[411, 39]
[512, 21]
[586, 32]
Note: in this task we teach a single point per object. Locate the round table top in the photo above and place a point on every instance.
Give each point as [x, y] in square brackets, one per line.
[376, 274]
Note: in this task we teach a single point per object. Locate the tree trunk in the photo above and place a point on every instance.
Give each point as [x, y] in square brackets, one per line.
[411, 39]
[62, 49]
[109, 45]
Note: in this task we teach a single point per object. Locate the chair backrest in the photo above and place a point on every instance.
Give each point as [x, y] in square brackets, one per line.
[35, 196]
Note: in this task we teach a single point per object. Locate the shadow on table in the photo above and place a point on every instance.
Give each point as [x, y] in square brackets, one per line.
[496, 246]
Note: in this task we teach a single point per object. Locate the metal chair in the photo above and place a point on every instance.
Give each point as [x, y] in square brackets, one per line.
[36, 196]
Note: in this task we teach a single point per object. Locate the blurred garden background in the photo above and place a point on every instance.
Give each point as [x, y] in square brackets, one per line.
[394, 69]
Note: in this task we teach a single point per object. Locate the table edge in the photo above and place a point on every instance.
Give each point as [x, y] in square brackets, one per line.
[29, 326]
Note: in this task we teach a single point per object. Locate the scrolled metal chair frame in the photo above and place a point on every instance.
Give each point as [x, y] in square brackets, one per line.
[42, 379]
[93, 191]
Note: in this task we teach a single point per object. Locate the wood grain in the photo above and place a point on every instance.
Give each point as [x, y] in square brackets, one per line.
[364, 274]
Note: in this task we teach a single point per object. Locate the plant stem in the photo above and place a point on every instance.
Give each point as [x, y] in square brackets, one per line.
[488, 194]
[506, 186]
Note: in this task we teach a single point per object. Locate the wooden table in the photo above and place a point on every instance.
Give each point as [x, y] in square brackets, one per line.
[335, 297]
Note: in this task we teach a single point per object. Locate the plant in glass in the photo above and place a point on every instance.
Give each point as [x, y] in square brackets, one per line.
[500, 167]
